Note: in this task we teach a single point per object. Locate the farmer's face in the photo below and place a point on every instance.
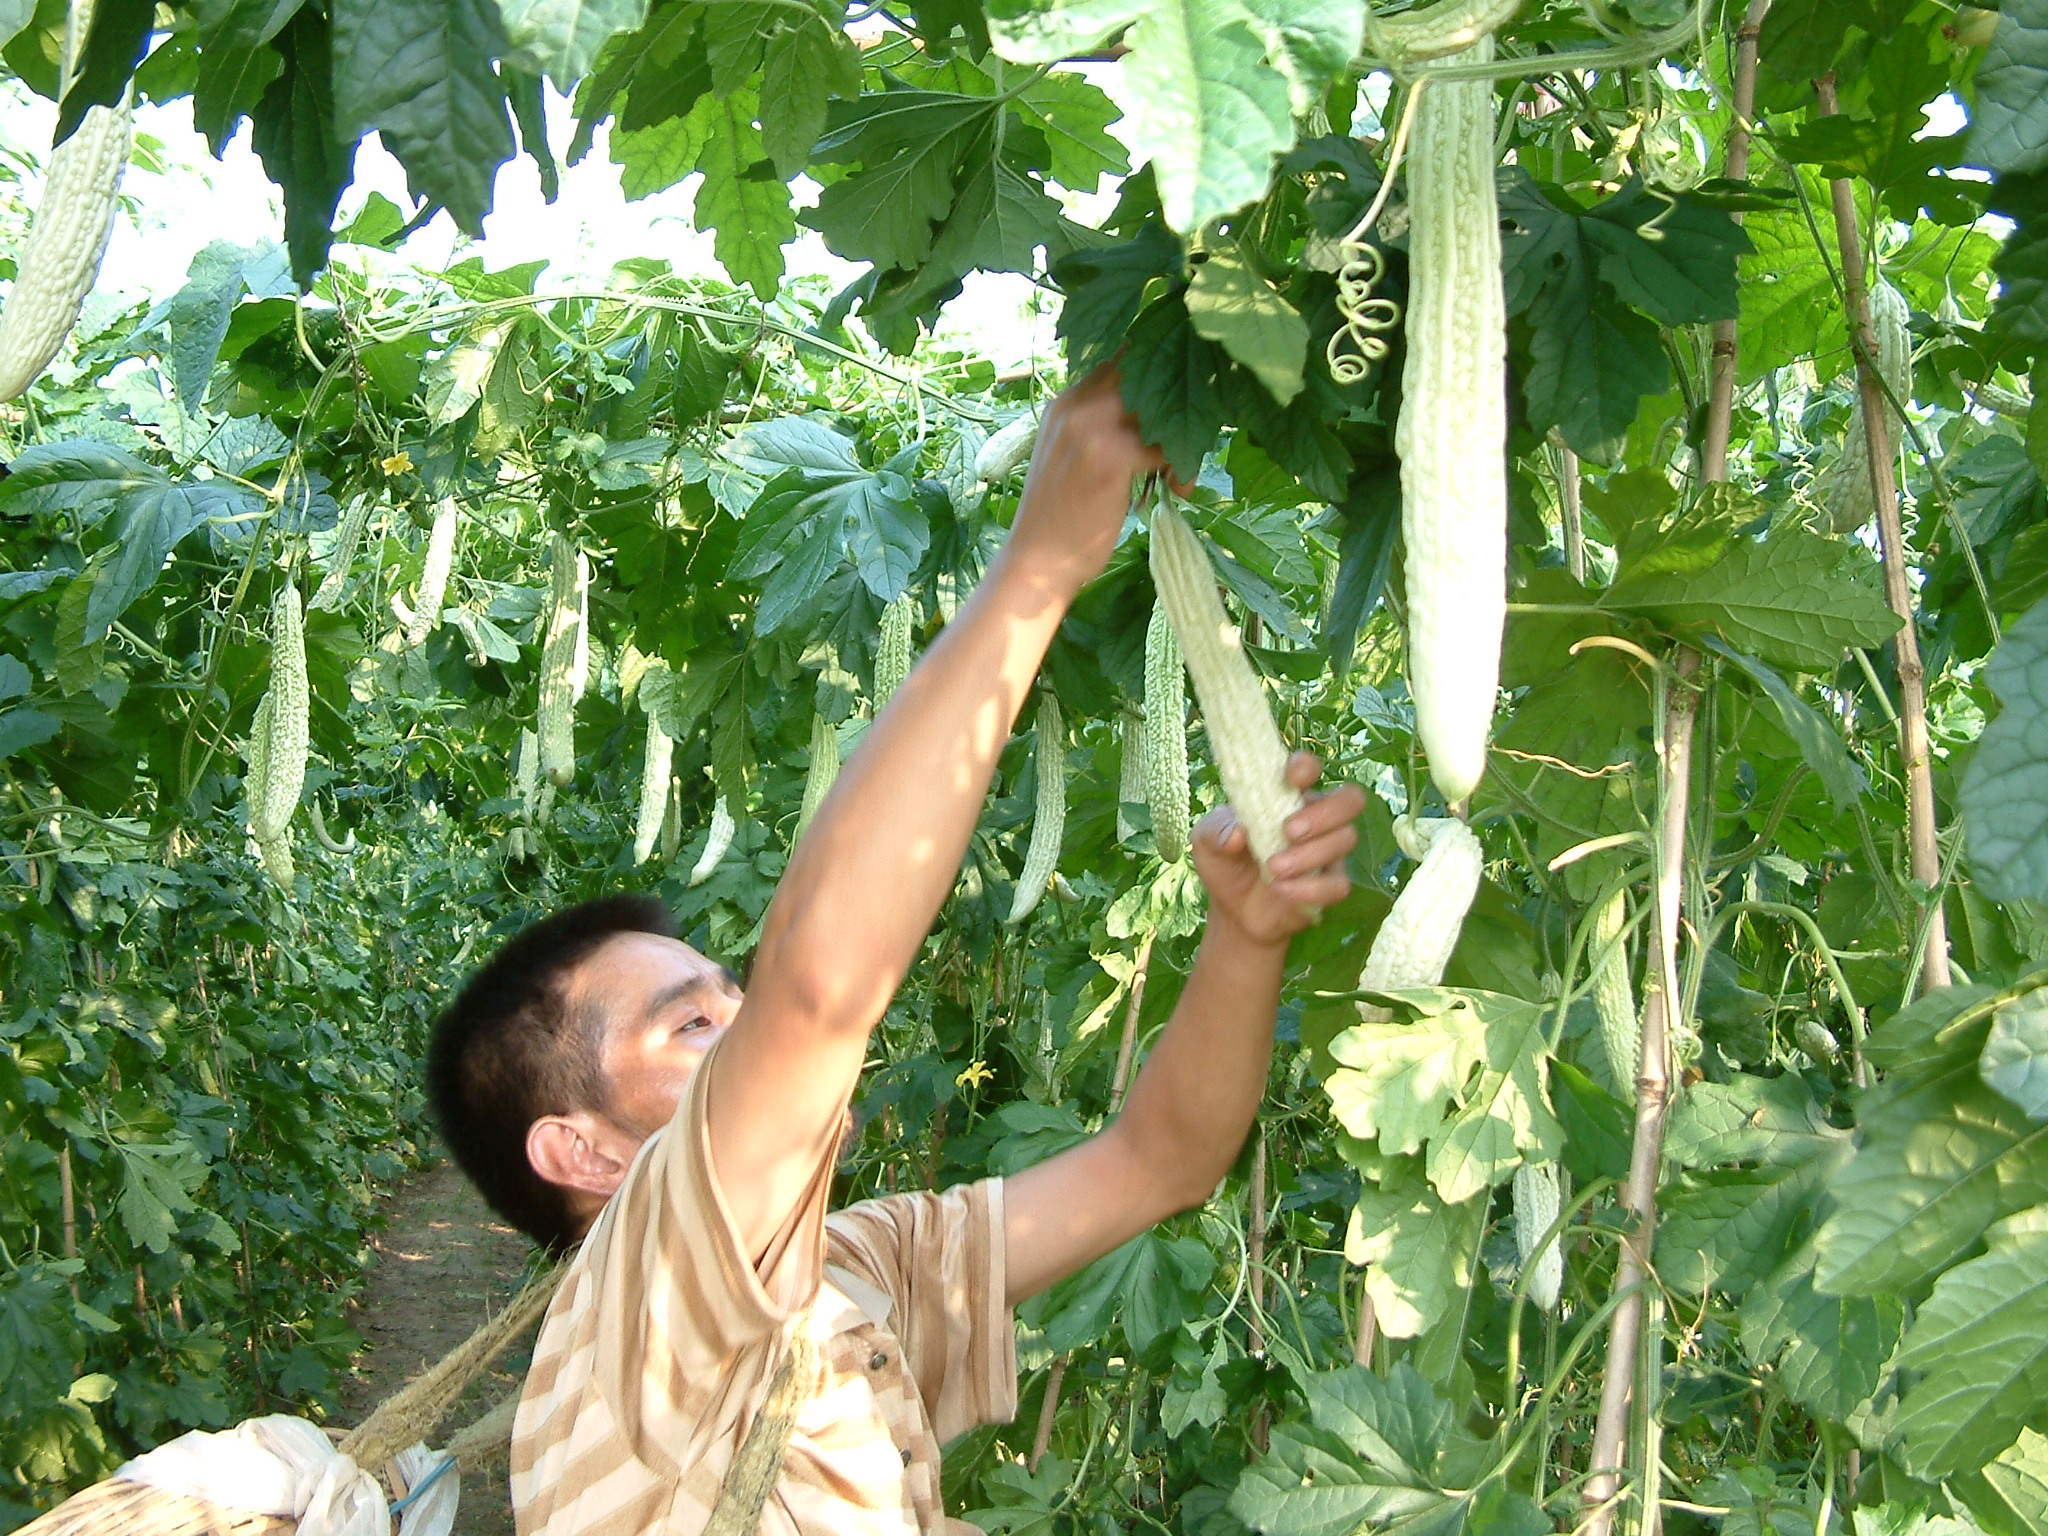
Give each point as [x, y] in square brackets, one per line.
[663, 1004]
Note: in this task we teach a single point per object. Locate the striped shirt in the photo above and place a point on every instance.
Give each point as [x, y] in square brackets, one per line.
[658, 1351]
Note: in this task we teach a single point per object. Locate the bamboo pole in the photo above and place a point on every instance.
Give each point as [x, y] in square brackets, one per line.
[1127, 1047]
[1041, 1439]
[1653, 1092]
[1255, 1244]
[1915, 753]
[1721, 382]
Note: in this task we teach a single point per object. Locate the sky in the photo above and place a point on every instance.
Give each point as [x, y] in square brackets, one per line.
[180, 198]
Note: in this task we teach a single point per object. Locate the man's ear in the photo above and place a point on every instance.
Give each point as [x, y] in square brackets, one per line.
[580, 1151]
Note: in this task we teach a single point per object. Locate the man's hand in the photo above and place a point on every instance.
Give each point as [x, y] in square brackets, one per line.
[1308, 874]
[1079, 485]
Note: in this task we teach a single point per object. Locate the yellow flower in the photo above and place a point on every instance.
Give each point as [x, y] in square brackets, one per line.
[973, 1076]
[398, 463]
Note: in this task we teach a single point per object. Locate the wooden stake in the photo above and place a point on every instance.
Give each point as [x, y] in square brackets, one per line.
[1570, 508]
[1653, 1090]
[1915, 754]
[1127, 1048]
[1255, 1244]
[1047, 1411]
[1721, 382]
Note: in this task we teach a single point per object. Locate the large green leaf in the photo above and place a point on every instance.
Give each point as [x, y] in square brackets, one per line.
[1976, 1356]
[423, 75]
[750, 214]
[560, 38]
[1727, 1228]
[1249, 318]
[1940, 1157]
[2009, 126]
[1105, 287]
[1466, 1078]
[1749, 1119]
[2009, 1496]
[2022, 265]
[2004, 792]
[1796, 599]
[1171, 382]
[2015, 1057]
[1818, 742]
[1829, 1353]
[1198, 97]
[910, 146]
[1422, 1252]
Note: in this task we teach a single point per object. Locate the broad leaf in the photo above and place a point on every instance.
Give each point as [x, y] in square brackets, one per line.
[1939, 1159]
[2004, 792]
[560, 38]
[158, 1183]
[1796, 599]
[1728, 1228]
[1466, 1078]
[750, 214]
[1829, 1353]
[423, 75]
[2009, 1496]
[1818, 742]
[1749, 1119]
[2009, 126]
[2015, 1057]
[1232, 305]
[1979, 1350]
[1422, 1252]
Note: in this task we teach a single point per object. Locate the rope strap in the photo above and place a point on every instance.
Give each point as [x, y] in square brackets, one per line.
[757, 1466]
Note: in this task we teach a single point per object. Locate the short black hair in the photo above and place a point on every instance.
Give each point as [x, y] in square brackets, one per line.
[510, 1049]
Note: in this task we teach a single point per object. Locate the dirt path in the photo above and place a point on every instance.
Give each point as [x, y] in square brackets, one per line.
[443, 1265]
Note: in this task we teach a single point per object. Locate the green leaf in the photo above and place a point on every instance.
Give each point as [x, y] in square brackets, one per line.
[1232, 305]
[158, 1183]
[1105, 286]
[2004, 793]
[1728, 1228]
[655, 158]
[804, 66]
[560, 38]
[23, 728]
[114, 44]
[1396, 1422]
[2009, 1496]
[1940, 1157]
[1312, 42]
[423, 75]
[1466, 1078]
[236, 62]
[2015, 1057]
[1170, 382]
[1075, 117]
[2021, 311]
[1796, 599]
[2009, 124]
[910, 145]
[750, 213]
[1422, 1251]
[1673, 257]
[1979, 1349]
[1818, 742]
[1310, 1484]
[1828, 1353]
[1199, 100]
[1749, 1119]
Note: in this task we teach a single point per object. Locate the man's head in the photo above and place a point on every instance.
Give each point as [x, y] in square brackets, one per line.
[566, 1052]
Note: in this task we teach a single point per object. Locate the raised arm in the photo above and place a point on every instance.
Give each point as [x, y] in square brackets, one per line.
[883, 851]
[1198, 1092]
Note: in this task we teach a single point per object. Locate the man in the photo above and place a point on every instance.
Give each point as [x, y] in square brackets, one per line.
[604, 1083]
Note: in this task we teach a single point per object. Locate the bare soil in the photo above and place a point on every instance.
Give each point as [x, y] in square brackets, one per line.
[443, 1265]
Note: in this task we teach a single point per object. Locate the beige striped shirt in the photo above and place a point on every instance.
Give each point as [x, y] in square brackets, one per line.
[658, 1351]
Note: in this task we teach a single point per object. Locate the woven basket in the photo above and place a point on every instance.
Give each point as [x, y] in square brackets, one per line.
[118, 1508]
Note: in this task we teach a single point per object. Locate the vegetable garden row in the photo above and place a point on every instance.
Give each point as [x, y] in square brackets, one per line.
[1675, 1155]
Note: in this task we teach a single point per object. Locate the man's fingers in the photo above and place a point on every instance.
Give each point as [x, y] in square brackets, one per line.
[1318, 891]
[1303, 769]
[1317, 852]
[1220, 828]
[1340, 807]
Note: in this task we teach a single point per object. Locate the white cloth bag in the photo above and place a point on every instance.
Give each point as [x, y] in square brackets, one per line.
[280, 1465]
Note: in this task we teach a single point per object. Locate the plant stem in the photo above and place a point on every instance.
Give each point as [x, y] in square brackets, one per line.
[1677, 708]
[1255, 1243]
[1570, 509]
[1916, 757]
[1047, 1411]
[1128, 1046]
[1721, 385]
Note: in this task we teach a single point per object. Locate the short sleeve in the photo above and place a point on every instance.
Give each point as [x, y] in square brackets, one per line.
[940, 1260]
[689, 1321]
